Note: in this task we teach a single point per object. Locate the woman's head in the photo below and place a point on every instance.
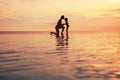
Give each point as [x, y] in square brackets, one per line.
[62, 17]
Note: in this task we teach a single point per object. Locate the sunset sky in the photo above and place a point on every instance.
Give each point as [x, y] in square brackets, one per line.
[42, 15]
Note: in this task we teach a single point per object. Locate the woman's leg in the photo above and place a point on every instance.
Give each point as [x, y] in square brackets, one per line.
[57, 32]
[62, 30]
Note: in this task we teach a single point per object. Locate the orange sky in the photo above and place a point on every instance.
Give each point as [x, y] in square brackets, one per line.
[40, 15]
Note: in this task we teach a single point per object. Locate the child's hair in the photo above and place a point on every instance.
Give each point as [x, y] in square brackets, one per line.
[66, 19]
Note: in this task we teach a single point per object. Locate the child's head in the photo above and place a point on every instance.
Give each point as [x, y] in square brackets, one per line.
[66, 19]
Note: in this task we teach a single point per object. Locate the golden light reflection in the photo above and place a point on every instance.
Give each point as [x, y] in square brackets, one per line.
[91, 54]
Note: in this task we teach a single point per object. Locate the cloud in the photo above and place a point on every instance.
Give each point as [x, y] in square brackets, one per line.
[3, 2]
[116, 10]
[112, 13]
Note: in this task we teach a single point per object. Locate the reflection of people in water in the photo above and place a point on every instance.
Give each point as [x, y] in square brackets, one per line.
[62, 47]
[59, 25]
[62, 42]
[67, 25]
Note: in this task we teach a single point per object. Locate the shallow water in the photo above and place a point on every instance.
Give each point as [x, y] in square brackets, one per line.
[79, 56]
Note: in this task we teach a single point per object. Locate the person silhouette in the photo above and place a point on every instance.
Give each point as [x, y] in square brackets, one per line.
[67, 25]
[59, 25]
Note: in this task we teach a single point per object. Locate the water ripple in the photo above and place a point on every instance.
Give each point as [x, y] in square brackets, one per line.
[9, 60]
[9, 52]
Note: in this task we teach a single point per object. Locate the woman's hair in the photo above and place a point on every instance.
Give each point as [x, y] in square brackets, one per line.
[62, 17]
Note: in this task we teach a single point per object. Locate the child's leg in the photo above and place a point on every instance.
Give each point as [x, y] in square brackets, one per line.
[67, 30]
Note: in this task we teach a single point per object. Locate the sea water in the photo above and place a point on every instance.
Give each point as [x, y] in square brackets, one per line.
[78, 56]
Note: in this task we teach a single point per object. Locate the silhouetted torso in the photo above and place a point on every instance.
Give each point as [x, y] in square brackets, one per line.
[59, 24]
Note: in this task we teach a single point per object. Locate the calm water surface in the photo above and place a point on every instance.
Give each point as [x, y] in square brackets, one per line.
[79, 56]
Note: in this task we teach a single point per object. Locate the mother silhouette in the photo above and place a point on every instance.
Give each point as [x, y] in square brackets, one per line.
[59, 25]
